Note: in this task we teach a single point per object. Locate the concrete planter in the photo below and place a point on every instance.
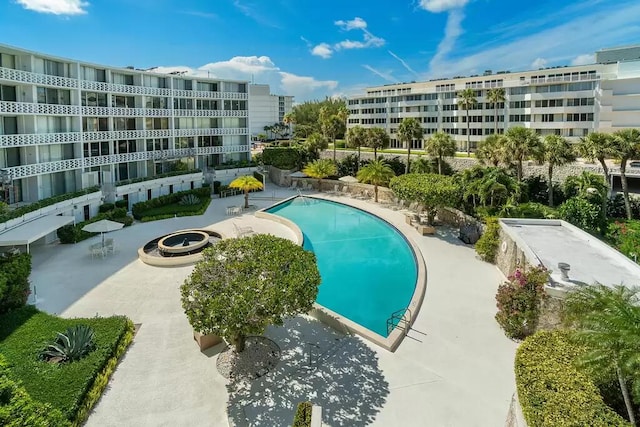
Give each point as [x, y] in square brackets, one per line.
[206, 341]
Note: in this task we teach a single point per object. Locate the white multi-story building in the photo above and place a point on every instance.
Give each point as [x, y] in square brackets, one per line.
[266, 109]
[567, 101]
[66, 125]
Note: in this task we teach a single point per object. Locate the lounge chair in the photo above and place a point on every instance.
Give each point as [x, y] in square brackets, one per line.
[243, 230]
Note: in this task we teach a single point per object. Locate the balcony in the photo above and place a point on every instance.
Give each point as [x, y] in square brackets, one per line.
[10, 107]
[19, 76]
[22, 140]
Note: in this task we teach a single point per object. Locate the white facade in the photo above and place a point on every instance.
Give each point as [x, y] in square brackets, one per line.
[67, 125]
[567, 101]
[266, 109]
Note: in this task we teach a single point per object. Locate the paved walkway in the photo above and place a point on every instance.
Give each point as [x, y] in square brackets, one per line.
[454, 369]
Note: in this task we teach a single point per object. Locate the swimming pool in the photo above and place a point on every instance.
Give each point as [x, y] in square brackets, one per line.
[367, 267]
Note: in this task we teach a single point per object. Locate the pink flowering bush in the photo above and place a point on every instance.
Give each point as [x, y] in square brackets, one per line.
[519, 300]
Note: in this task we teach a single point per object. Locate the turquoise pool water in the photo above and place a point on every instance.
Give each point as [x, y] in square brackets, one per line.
[368, 269]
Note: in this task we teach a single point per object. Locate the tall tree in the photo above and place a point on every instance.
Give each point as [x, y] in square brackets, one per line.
[268, 129]
[357, 138]
[315, 143]
[491, 150]
[466, 101]
[246, 183]
[521, 143]
[289, 119]
[495, 96]
[243, 285]
[320, 169]
[409, 130]
[597, 146]
[556, 152]
[377, 173]
[626, 146]
[330, 124]
[440, 145]
[608, 324]
[377, 138]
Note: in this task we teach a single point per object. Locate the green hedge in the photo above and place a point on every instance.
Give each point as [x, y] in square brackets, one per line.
[18, 409]
[122, 204]
[552, 390]
[14, 281]
[281, 157]
[175, 210]
[430, 190]
[140, 209]
[74, 233]
[487, 244]
[44, 203]
[72, 388]
[303, 415]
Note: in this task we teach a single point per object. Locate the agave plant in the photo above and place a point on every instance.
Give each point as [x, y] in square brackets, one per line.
[189, 200]
[74, 344]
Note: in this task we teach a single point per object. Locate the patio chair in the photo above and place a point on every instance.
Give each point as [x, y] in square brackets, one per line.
[109, 246]
[243, 230]
[96, 251]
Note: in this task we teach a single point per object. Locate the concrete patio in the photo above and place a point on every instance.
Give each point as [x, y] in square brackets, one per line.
[454, 369]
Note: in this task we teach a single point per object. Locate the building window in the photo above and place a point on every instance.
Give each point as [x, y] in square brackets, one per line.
[123, 101]
[8, 93]
[53, 96]
[122, 79]
[124, 123]
[156, 102]
[93, 99]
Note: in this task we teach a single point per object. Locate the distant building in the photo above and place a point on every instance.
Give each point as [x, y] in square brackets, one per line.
[266, 109]
[567, 101]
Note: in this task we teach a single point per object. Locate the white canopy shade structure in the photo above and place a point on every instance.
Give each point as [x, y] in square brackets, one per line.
[102, 226]
[348, 179]
[298, 174]
[29, 232]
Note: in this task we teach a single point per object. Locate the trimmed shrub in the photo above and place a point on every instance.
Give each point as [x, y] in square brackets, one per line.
[106, 207]
[138, 210]
[529, 210]
[340, 144]
[122, 204]
[582, 213]
[281, 157]
[72, 388]
[303, 415]
[18, 409]
[430, 190]
[519, 301]
[487, 244]
[14, 281]
[552, 390]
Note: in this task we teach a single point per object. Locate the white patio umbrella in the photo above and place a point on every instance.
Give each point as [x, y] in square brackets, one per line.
[102, 226]
[348, 179]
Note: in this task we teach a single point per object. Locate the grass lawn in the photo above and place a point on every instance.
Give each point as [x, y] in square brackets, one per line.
[68, 387]
[175, 209]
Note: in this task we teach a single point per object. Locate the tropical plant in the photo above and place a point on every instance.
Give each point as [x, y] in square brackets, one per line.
[378, 139]
[357, 138]
[466, 101]
[519, 301]
[268, 129]
[491, 150]
[440, 145]
[607, 320]
[487, 244]
[488, 186]
[330, 125]
[189, 200]
[315, 143]
[597, 146]
[521, 143]
[587, 184]
[289, 119]
[556, 152]
[582, 213]
[422, 165]
[496, 96]
[15, 269]
[320, 169]
[377, 173]
[430, 190]
[625, 236]
[243, 285]
[246, 183]
[409, 130]
[72, 345]
[626, 146]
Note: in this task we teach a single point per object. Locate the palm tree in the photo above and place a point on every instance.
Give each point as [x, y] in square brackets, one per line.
[556, 152]
[377, 173]
[356, 138]
[520, 144]
[597, 146]
[409, 130]
[467, 100]
[491, 149]
[289, 119]
[377, 138]
[343, 115]
[315, 143]
[330, 124]
[320, 169]
[268, 129]
[422, 165]
[583, 184]
[246, 183]
[626, 146]
[608, 324]
[441, 145]
[496, 96]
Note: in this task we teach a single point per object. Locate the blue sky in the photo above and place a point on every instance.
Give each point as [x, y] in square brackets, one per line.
[312, 49]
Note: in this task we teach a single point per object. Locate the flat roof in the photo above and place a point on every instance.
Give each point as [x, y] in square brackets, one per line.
[554, 241]
[31, 231]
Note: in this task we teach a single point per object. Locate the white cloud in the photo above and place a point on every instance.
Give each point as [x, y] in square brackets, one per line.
[452, 31]
[437, 6]
[350, 25]
[539, 63]
[385, 75]
[404, 63]
[585, 59]
[259, 69]
[323, 50]
[56, 7]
